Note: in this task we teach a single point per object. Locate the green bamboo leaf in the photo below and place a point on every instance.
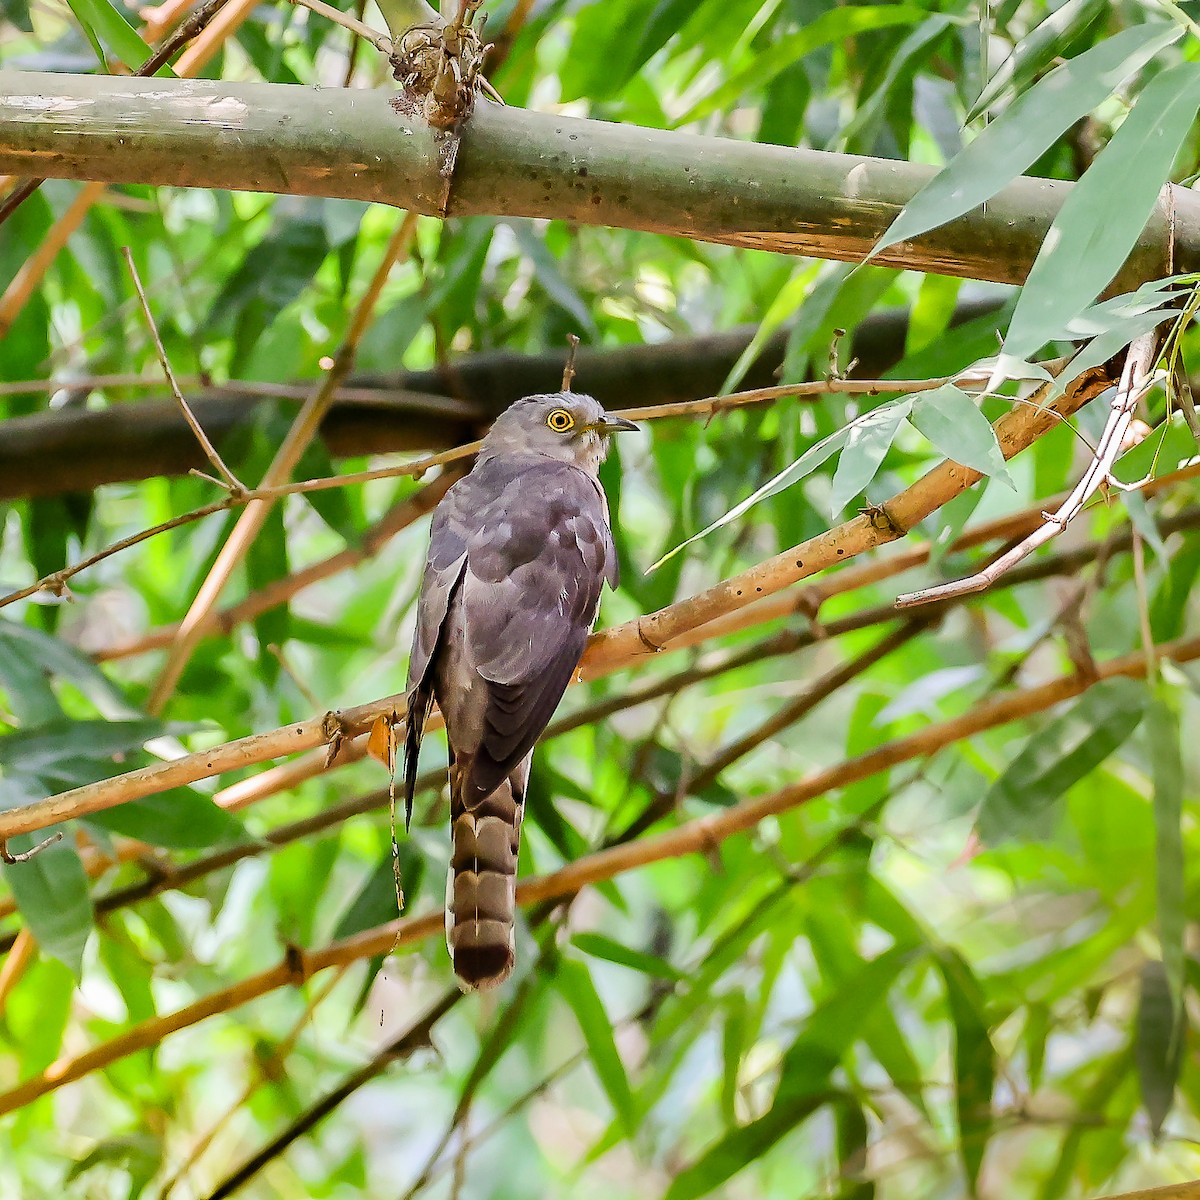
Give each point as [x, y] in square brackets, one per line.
[60, 659]
[1164, 744]
[789, 298]
[901, 64]
[808, 462]
[599, 946]
[1027, 129]
[574, 981]
[867, 443]
[45, 746]
[1142, 519]
[1022, 802]
[50, 889]
[26, 683]
[375, 903]
[1041, 45]
[974, 1062]
[105, 24]
[952, 422]
[1169, 604]
[177, 820]
[832, 26]
[804, 1083]
[852, 1138]
[1106, 211]
[1158, 1044]
[734, 1036]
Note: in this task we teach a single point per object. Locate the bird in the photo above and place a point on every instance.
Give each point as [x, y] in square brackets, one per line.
[519, 551]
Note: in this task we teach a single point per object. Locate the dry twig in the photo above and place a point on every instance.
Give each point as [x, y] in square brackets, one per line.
[231, 481]
[1135, 380]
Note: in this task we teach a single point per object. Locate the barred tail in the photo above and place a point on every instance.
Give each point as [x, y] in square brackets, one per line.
[482, 885]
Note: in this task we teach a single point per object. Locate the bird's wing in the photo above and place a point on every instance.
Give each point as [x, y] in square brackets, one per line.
[530, 593]
[454, 522]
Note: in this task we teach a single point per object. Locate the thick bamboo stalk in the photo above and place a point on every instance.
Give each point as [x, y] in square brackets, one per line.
[512, 162]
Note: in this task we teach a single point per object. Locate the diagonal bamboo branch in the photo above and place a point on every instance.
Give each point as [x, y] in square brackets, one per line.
[1135, 382]
[788, 641]
[609, 651]
[1015, 430]
[699, 836]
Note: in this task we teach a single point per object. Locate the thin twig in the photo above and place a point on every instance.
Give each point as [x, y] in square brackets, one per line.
[300, 434]
[413, 1039]
[380, 41]
[6, 855]
[232, 482]
[279, 1054]
[1135, 380]
[279, 591]
[569, 367]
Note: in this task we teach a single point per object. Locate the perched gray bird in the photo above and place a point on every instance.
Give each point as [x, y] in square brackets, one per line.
[518, 553]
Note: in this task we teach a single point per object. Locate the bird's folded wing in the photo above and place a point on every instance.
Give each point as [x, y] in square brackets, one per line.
[530, 593]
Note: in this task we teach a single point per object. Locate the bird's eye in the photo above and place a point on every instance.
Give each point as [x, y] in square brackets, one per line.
[560, 420]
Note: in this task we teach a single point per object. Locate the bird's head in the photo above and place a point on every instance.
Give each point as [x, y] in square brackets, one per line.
[565, 425]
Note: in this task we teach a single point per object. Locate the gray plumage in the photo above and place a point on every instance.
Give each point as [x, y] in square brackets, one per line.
[519, 551]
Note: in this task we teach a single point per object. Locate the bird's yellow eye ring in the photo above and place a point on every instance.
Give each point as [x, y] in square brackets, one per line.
[560, 420]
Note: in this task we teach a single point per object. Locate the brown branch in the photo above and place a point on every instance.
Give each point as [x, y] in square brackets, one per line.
[1135, 381]
[417, 1037]
[380, 41]
[697, 836]
[788, 641]
[608, 651]
[278, 1053]
[1190, 1190]
[625, 644]
[69, 450]
[23, 952]
[54, 583]
[802, 705]
[303, 430]
[234, 484]
[6, 855]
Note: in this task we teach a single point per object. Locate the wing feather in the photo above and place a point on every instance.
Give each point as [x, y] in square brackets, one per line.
[522, 545]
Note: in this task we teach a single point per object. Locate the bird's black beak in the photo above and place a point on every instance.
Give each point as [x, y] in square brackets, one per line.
[611, 424]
